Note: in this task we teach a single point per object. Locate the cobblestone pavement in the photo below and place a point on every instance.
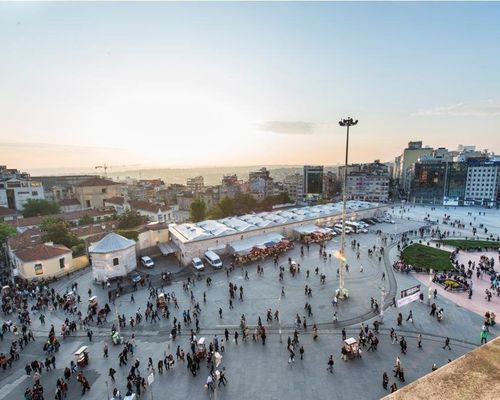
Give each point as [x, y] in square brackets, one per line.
[255, 370]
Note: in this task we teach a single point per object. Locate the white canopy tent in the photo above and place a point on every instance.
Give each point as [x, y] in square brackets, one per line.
[245, 245]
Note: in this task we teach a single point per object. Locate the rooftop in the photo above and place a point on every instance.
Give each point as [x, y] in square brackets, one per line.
[97, 181]
[69, 216]
[147, 206]
[69, 202]
[42, 252]
[231, 225]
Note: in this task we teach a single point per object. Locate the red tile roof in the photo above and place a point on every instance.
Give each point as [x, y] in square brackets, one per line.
[69, 202]
[115, 200]
[147, 206]
[97, 181]
[69, 216]
[4, 211]
[42, 252]
[28, 238]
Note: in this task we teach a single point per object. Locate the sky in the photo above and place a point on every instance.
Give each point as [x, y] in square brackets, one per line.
[217, 84]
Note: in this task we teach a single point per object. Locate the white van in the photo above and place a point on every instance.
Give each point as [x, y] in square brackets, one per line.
[213, 259]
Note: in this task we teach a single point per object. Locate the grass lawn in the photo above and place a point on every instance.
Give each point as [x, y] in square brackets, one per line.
[427, 257]
[463, 244]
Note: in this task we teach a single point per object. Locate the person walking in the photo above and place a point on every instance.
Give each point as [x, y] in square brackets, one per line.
[385, 380]
[301, 351]
[419, 340]
[105, 350]
[330, 364]
[484, 336]
[112, 373]
[447, 344]
[410, 317]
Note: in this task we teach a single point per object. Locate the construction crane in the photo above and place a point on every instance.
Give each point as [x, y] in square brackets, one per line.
[104, 167]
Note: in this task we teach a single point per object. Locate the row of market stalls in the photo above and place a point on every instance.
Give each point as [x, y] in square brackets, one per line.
[258, 247]
[313, 234]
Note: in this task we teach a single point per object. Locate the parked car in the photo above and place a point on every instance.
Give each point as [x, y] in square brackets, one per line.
[198, 264]
[135, 277]
[147, 262]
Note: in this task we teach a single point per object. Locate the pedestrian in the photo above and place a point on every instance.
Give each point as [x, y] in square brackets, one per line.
[410, 317]
[419, 340]
[105, 350]
[330, 364]
[112, 373]
[301, 351]
[447, 344]
[385, 380]
[394, 387]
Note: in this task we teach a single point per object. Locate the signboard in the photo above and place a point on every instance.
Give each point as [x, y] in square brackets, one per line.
[410, 291]
[407, 300]
[151, 379]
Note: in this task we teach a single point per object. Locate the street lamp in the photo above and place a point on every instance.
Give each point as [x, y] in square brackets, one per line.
[348, 122]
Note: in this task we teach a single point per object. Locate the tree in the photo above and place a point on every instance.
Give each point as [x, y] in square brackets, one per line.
[134, 235]
[226, 206]
[5, 231]
[58, 231]
[130, 219]
[198, 211]
[86, 220]
[35, 207]
[245, 203]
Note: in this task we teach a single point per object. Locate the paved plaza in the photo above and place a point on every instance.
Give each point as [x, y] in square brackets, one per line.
[255, 370]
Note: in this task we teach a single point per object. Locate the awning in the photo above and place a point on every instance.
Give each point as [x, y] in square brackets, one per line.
[167, 248]
[245, 245]
[310, 228]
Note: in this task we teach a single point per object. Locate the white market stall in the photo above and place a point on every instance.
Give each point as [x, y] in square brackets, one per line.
[258, 247]
[312, 233]
[112, 256]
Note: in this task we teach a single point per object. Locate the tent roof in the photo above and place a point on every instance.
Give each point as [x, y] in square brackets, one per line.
[239, 246]
[310, 228]
[110, 243]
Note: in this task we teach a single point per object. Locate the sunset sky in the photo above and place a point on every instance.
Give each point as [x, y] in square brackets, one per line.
[209, 84]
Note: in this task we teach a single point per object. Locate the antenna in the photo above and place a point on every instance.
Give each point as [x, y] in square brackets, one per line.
[104, 167]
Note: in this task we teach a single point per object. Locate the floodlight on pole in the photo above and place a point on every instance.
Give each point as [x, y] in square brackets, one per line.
[348, 122]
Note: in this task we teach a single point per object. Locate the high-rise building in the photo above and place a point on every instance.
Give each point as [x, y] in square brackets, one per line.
[195, 185]
[313, 180]
[261, 182]
[403, 163]
[369, 182]
[294, 186]
[483, 182]
[16, 188]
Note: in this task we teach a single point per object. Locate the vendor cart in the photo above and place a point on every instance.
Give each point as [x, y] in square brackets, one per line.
[93, 304]
[351, 348]
[115, 337]
[161, 302]
[82, 356]
[201, 348]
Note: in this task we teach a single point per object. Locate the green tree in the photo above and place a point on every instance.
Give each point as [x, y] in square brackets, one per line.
[245, 203]
[86, 220]
[134, 235]
[227, 207]
[35, 207]
[215, 212]
[198, 211]
[5, 231]
[130, 219]
[58, 231]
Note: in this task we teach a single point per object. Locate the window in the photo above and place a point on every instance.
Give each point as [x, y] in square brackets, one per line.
[103, 190]
[38, 269]
[87, 203]
[61, 263]
[34, 193]
[115, 261]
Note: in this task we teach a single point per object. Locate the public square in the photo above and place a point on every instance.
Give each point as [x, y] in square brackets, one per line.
[256, 370]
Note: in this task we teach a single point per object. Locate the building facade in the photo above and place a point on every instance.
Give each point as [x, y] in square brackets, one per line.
[92, 192]
[16, 188]
[483, 182]
[313, 180]
[294, 186]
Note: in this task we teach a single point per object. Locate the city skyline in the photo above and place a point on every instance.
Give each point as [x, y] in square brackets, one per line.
[220, 84]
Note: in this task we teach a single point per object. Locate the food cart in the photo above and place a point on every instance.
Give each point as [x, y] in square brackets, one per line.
[69, 299]
[161, 302]
[82, 356]
[115, 337]
[201, 348]
[351, 348]
[93, 304]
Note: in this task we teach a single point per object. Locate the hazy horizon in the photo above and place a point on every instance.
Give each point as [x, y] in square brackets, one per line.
[173, 84]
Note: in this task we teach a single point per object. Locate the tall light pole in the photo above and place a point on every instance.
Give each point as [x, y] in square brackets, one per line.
[348, 122]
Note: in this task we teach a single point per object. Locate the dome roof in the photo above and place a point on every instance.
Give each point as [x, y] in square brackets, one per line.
[110, 243]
